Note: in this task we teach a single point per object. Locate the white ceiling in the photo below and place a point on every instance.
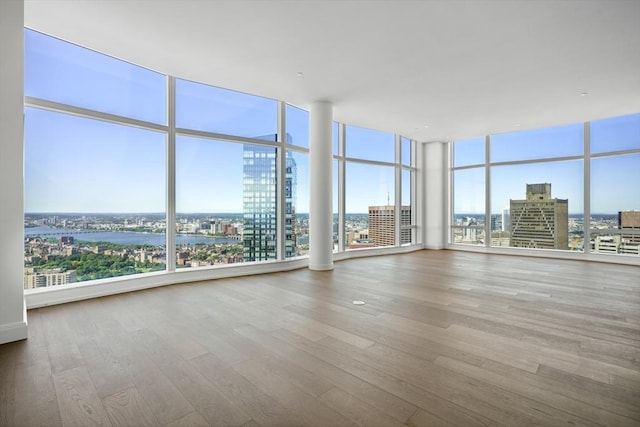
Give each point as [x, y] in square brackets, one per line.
[462, 68]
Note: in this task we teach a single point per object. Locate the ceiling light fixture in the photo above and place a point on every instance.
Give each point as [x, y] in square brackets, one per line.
[584, 94]
[300, 74]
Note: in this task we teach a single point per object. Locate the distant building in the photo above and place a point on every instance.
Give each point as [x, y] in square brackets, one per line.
[607, 244]
[382, 225]
[506, 219]
[470, 234]
[539, 221]
[615, 244]
[624, 243]
[260, 201]
[630, 220]
[494, 221]
[36, 278]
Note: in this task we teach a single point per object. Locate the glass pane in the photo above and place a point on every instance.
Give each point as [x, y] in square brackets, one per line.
[297, 126]
[336, 138]
[616, 134]
[558, 141]
[406, 231]
[213, 109]
[469, 152]
[469, 190]
[209, 219]
[370, 213]
[94, 199]
[370, 144]
[615, 215]
[63, 72]
[538, 205]
[406, 151]
[296, 204]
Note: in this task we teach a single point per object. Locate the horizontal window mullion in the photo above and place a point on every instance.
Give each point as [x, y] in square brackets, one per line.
[297, 149]
[474, 166]
[370, 162]
[92, 114]
[542, 160]
[225, 137]
[615, 153]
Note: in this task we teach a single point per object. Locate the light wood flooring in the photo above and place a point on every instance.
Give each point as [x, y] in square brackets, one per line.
[445, 338]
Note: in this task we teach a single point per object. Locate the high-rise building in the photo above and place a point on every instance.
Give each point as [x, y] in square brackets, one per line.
[382, 225]
[506, 219]
[260, 203]
[630, 220]
[539, 221]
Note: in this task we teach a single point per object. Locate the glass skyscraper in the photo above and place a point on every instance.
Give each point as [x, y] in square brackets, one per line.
[260, 200]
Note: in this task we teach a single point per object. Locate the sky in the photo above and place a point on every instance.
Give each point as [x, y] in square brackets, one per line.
[74, 164]
[615, 180]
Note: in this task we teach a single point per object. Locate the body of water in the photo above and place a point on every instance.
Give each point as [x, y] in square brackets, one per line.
[124, 237]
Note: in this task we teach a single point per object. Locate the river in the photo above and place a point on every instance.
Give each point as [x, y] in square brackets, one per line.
[124, 237]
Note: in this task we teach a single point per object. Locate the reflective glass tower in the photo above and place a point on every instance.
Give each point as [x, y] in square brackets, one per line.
[260, 199]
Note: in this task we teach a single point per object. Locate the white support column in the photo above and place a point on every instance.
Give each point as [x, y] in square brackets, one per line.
[13, 317]
[320, 197]
[434, 195]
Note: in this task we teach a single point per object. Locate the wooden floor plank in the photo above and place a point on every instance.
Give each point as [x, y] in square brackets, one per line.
[128, 408]
[193, 419]
[356, 410]
[308, 409]
[261, 407]
[33, 377]
[7, 382]
[204, 396]
[78, 400]
[390, 404]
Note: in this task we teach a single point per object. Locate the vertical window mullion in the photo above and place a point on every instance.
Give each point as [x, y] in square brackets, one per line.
[451, 193]
[586, 242]
[171, 176]
[341, 187]
[398, 189]
[280, 183]
[487, 192]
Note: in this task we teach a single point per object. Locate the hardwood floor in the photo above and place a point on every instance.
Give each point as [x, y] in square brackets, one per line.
[445, 338]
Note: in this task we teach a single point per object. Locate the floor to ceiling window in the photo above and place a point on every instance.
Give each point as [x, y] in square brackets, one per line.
[296, 208]
[571, 188]
[468, 222]
[378, 179]
[129, 171]
[615, 185]
[95, 155]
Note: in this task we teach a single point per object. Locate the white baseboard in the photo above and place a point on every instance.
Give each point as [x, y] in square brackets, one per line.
[16, 331]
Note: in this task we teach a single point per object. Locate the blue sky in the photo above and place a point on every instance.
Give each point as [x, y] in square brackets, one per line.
[615, 180]
[74, 164]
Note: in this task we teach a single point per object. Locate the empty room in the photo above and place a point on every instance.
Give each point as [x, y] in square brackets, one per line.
[323, 213]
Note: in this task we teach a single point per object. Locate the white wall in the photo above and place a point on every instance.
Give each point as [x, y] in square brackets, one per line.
[13, 321]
